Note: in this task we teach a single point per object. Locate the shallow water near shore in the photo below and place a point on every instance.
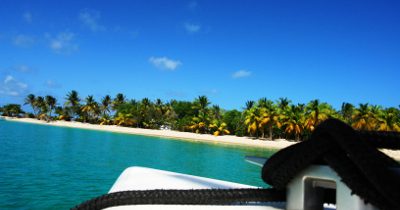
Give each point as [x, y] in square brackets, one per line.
[46, 167]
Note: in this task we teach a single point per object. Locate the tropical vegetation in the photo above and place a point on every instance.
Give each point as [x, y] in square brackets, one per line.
[264, 119]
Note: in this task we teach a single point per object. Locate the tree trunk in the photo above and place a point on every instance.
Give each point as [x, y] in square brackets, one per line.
[270, 133]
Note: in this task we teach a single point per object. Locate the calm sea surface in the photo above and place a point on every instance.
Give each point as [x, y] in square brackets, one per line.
[46, 167]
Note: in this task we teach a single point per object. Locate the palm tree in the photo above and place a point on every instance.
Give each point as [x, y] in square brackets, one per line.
[146, 114]
[146, 103]
[376, 110]
[63, 113]
[169, 114]
[43, 108]
[252, 121]
[118, 100]
[73, 98]
[316, 112]
[200, 122]
[124, 119]
[249, 105]
[73, 101]
[90, 109]
[293, 121]
[216, 112]
[270, 117]
[12, 110]
[263, 102]
[127, 111]
[158, 102]
[218, 128]
[347, 112]
[363, 118]
[160, 108]
[201, 104]
[58, 110]
[314, 109]
[162, 113]
[283, 103]
[106, 120]
[105, 105]
[31, 99]
[388, 120]
[51, 103]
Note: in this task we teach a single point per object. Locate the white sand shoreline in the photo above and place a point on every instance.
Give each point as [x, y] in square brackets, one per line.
[227, 140]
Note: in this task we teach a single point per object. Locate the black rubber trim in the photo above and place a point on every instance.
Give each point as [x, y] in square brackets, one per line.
[184, 197]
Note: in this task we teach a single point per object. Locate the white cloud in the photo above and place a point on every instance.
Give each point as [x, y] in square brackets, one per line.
[8, 79]
[23, 40]
[63, 43]
[11, 87]
[212, 92]
[22, 68]
[165, 63]
[27, 16]
[241, 73]
[52, 84]
[90, 18]
[192, 28]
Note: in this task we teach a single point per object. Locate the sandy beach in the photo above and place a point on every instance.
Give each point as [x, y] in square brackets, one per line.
[227, 139]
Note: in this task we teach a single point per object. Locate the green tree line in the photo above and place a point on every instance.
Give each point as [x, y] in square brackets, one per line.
[264, 118]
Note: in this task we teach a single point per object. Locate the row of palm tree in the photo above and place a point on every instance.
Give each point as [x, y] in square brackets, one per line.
[259, 119]
[298, 121]
[286, 119]
[42, 107]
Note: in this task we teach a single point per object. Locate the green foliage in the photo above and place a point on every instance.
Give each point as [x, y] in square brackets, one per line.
[183, 108]
[233, 120]
[261, 119]
[73, 102]
[63, 113]
[346, 112]
[91, 110]
[218, 128]
[12, 110]
[126, 109]
[118, 100]
[181, 124]
[105, 105]
[31, 100]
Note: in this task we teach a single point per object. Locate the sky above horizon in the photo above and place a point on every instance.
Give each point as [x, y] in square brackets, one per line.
[231, 51]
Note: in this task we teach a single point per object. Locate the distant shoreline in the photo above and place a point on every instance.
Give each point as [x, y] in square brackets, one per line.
[227, 139]
[186, 136]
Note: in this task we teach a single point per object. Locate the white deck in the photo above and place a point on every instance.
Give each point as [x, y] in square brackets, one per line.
[139, 178]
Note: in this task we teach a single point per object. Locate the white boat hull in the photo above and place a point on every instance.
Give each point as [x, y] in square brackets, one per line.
[140, 178]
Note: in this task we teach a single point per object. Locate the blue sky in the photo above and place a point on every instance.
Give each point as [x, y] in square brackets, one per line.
[231, 51]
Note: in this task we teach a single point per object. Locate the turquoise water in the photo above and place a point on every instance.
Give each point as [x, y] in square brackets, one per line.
[46, 167]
